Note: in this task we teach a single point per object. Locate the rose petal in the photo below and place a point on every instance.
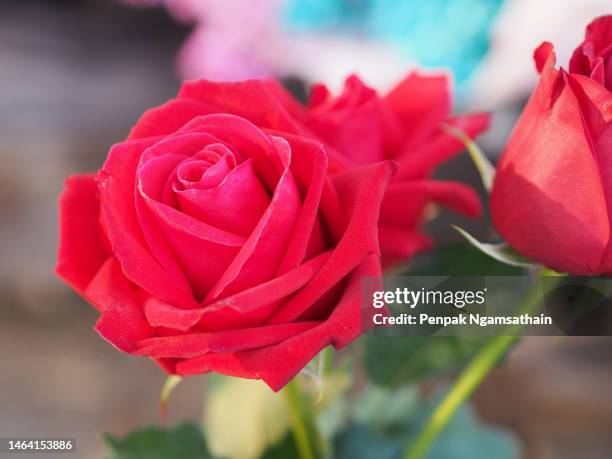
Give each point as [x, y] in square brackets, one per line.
[117, 183]
[352, 123]
[544, 56]
[82, 248]
[243, 136]
[261, 101]
[596, 108]
[260, 257]
[168, 118]
[122, 322]
[420, 161]
[151, 180]
[404, 201]
[235, 205]
[360, 190]
[401, 243]
[421, 103]
[278, 364]
[203, 251]
[309, 169]
[193, 345]
[244, 309]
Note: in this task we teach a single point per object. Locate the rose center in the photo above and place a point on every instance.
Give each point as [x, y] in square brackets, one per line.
[206, 169]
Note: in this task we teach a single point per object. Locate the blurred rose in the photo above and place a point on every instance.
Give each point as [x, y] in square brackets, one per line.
[553, 186]
[210, 244]
[406, 125]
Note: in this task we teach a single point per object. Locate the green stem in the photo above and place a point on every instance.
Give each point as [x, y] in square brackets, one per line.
[308, 440]
[327, 356]
[470, 378]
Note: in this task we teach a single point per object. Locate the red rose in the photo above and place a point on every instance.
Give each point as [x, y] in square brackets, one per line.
[359, 127]
[406, 125]
[210, 244]
[553, 188]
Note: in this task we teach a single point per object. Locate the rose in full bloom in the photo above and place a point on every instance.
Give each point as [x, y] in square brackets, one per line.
[408, 126]
[358, 128]
[552, 194]
[210, 243]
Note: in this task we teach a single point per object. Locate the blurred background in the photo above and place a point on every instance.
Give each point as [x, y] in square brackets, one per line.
[76, 74]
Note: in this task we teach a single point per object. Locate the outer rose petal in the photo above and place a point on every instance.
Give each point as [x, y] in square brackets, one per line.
[357, 136]
[276, 365]
[81, 248]
[596, 106]
[194, 345]
[593, 58]
[404, 200]
[422, 103]
[544, 56]
[117, 197]
[547, 169]
[361, 191]
[168, 118]
[399, 243]
[261, 101]
[420, 161]
[245, 309]
[122, 322]
[357, 123]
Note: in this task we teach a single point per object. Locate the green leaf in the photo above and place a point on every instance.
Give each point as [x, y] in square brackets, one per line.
[480, 160]
[185, 441]
[461, 259]
[382, 408]
[501, 252]
[360, 442]
[391, 361]
[284, 449]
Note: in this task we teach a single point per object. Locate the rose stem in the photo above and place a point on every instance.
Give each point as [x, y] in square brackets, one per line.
[470, 378]
[305, 432]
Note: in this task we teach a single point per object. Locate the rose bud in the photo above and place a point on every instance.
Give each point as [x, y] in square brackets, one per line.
[553, 187]
[406, 125]
[208, 243]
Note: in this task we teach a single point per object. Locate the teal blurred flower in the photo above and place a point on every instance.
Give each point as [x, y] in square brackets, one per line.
[435, 33]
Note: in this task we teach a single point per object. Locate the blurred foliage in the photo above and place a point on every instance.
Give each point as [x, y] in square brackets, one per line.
[398, 417]
[284, 449]
[379, 424]
[399, 360]
[185, 441]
